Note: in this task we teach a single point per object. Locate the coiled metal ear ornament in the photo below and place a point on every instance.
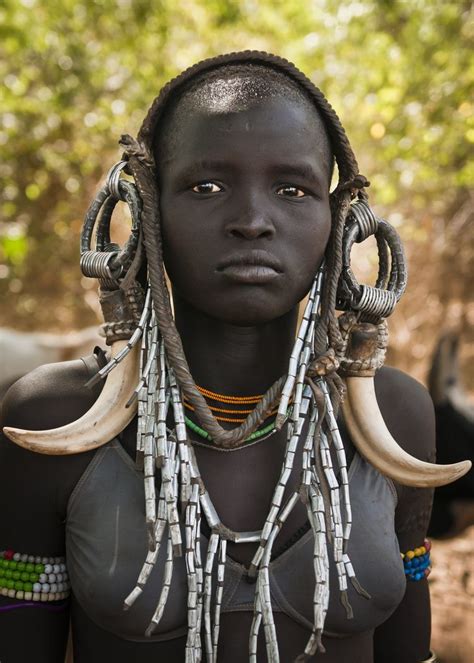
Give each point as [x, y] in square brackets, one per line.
[373, 302]
[126, 311]
[107, 262]
[364, 331]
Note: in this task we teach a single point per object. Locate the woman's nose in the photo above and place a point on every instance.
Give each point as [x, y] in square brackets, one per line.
[251, 222]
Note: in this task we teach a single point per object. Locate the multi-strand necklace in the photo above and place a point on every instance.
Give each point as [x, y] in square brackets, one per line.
[231, 409]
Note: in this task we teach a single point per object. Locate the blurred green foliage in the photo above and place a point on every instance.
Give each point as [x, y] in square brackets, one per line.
[76, 74]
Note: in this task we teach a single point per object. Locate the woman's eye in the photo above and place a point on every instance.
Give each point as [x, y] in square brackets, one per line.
[291, 191]
[206, 187]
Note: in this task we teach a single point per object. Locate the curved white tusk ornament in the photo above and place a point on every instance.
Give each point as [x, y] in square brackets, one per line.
[375, 443]
[109, 416]
[101, 423]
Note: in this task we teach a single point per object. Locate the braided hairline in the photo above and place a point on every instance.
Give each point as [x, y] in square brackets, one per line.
[147, 185]
[346, 161]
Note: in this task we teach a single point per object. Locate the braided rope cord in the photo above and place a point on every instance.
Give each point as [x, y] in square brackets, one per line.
[141, 165]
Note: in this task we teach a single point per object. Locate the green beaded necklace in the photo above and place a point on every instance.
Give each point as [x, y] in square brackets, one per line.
[256, 435]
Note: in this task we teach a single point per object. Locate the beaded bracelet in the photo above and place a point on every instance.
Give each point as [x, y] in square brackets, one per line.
[33, 578]
[417, 562]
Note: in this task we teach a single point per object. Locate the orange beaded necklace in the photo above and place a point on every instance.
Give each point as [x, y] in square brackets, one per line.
[241, 404]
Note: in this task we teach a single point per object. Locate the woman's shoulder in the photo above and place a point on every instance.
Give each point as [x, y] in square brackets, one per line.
[48, 397]
[35, 488]
[408, 411]
[51, 395]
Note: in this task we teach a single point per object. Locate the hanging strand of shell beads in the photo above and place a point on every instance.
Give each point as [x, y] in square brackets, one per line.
[162, 442]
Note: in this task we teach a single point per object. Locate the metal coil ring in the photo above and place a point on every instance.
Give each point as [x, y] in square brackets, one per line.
[365, 219]
[113, 179]
[99, 265]
[375, 302]
[379, 301]
[105, 262]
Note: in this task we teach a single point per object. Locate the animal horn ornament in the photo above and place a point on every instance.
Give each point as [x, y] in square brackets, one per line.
[368, 430]
[363, 351]
[95, 427]
[124, 310]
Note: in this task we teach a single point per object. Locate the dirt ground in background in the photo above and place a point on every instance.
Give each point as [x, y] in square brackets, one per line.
[452, 599]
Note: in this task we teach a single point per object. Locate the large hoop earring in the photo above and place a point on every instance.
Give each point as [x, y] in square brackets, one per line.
[372, 303]
[121, 296]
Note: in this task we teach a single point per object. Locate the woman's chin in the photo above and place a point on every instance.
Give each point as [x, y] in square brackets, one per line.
[253, 314]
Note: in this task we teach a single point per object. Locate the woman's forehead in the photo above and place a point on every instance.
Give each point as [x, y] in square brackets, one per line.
[269, 120]
[240, 83]
[233, 93]
[270, 123]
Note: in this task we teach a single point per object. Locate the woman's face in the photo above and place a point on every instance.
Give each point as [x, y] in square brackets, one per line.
[244, 200]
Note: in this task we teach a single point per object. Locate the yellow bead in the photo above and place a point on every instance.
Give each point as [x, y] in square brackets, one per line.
[423, 550]
[410, 554]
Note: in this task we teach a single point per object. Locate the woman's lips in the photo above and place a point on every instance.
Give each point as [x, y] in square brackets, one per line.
[250, 273]
[255, 266]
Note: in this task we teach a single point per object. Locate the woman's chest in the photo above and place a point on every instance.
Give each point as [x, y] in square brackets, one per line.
[107, 541]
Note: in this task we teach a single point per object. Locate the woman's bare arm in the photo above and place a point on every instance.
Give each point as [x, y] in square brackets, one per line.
[409, 415]
[34, 490]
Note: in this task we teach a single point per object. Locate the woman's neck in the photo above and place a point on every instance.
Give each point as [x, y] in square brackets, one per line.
[230, 359]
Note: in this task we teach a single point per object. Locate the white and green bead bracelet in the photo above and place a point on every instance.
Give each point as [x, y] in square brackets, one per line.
[33, 578]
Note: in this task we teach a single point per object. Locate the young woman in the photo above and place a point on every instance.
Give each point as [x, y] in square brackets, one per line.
[252, 510]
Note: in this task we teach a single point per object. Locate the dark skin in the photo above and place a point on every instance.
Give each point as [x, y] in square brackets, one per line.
[237, 324]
